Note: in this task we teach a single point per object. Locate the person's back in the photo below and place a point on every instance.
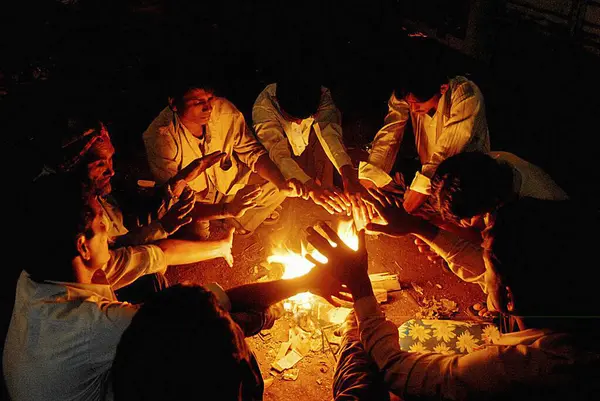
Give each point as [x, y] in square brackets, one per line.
[65, 326]
[54, 349]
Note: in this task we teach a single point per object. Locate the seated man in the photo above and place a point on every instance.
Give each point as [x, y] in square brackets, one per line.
[300, 126]
[466, 190]
[448, 117]
[197, 123]
[67, 322]
[87, 153]
[555, 354]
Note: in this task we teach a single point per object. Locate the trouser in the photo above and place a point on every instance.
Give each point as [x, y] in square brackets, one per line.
[266, 203]
[356, 377]
[315, 162]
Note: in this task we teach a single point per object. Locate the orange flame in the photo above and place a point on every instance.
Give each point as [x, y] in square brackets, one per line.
[295, 265]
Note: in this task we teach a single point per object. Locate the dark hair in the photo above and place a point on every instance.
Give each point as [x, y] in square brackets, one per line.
[423, 69]
[58, 212]
[181, 345]
[538, 249]
[184, 79]
[300, 98]
[470, 184]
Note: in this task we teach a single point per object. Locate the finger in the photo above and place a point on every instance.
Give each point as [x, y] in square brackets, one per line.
[319, 242]
[329, 299]
[312, 260]
[361, 241]
[341, 205]
[249, 206]
[344, 296]
[398, 178]
[253, 194]
[379, 197]
[344, 198]
[185, 210]
[187, 220]
[332, 235]
[329, 198]
[378, 228]
[322, 201]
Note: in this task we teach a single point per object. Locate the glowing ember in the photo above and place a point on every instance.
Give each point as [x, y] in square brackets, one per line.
[295, 265]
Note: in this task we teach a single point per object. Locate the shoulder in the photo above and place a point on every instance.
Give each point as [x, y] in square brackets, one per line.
[161, 126]
[266, 98]
[222, 106]
[463, 88]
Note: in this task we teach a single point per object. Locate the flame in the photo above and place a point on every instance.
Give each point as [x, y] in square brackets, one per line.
[295, 264]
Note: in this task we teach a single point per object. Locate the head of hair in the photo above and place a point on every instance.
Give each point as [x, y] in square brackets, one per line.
[298, 97]
[539, 250]
[470, 184]
[423, 69]
[185, 78]
[172, 334]
[58, 212]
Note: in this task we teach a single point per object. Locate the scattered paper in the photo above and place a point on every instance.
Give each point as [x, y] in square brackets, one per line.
[287, 362]
[283, 349]
[338, 315]
[291, 374]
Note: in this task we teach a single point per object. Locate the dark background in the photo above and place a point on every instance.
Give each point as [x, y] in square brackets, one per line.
[114, 57]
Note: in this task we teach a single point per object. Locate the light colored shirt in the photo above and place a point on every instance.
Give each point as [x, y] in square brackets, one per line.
[465, 258]
[530, 364]
[170, 147]
[63, 336]
[458, 125]
[283, 138]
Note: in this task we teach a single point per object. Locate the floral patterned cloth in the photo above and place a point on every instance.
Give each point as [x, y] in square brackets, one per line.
[446, 336]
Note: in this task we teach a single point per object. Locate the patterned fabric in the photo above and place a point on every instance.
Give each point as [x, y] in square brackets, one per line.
[446, 336]
[77, 148]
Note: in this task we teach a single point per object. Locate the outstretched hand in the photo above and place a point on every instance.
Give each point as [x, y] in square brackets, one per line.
[347, 266]
[194, 169]
[178, 215]
[393, 220]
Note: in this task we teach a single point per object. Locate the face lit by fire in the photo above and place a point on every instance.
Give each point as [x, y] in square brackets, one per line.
[100, 165]
[418, 106]
[196, 106]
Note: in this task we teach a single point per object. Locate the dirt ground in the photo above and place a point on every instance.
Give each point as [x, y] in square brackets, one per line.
[395, 255]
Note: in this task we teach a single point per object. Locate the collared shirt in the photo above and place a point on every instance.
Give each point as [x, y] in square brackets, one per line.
[282, 137]
[63, 337]
[170, 147]
[458, 125]
[530, 364]
[464, 258]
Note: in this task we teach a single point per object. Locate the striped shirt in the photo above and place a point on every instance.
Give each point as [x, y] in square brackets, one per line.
[458, 125]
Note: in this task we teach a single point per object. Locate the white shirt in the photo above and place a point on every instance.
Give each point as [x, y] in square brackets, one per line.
[63, 336]
[278, 135]
[529, 365]
[170, 147]
[458, 125]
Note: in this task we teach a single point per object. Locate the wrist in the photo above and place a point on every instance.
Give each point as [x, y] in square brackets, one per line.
[361, 287]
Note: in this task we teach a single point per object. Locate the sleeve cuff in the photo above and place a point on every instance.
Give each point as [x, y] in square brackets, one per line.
[220, 294]
[367, 307]
[367, 171]
[259, 154]
[421, 184]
